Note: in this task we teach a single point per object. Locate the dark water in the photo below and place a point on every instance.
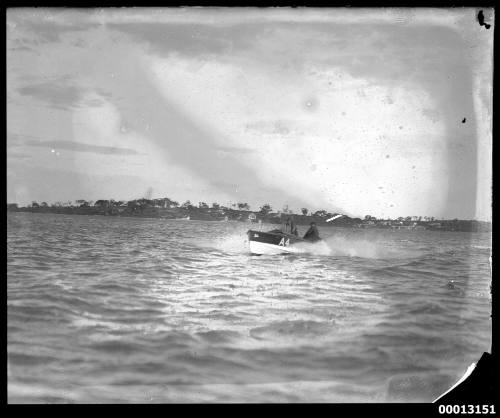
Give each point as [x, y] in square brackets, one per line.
[104, 309]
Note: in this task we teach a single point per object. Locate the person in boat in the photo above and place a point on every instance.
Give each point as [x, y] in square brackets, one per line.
[290, 227]
[312, 233]
[287, 225]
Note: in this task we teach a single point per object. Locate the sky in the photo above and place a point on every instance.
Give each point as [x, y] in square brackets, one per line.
[386, 112]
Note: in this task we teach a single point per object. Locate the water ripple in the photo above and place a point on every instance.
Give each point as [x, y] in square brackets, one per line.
[106, 309]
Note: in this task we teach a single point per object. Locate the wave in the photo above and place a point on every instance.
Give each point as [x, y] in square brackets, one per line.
[293, 328]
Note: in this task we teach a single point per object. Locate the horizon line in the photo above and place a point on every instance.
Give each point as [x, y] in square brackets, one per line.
[309, 213]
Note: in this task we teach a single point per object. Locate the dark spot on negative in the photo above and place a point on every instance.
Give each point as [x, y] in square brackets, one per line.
[480, 19]
[463, 120]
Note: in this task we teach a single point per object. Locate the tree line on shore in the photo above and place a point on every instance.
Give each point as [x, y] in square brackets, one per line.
[240, 211]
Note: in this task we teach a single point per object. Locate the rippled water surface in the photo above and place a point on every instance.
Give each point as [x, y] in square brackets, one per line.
[106, 309]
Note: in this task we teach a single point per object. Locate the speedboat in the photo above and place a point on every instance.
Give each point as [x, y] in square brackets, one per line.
[274, 242]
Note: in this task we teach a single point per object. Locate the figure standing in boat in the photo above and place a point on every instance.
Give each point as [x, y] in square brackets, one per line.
[312, 233]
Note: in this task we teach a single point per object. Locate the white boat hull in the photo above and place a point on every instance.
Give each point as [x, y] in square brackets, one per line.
[271, 249]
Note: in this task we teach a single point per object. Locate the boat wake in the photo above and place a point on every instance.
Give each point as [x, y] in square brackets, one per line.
[342, 246]
[333, 246]
[233, 244]
[355, 247]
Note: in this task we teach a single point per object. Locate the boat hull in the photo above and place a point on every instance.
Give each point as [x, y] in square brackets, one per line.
[273, 242]
[271, 249]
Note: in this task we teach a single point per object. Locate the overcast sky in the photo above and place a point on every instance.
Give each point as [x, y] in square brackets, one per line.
[384, 112]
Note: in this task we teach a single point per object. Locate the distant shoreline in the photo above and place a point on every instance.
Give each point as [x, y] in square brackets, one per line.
[228, 214]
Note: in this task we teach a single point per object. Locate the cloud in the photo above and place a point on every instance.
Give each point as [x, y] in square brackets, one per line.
[432, 114]
[189, 39]
[61, 94]
[223, 17]
[17, 138]
[80, 147]
[20, 45]
[225, 185]
[278, 127]
[233, 150]
[57, 95]
[44, 25]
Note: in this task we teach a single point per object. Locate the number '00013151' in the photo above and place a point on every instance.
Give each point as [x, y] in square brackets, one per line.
[466, 409]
